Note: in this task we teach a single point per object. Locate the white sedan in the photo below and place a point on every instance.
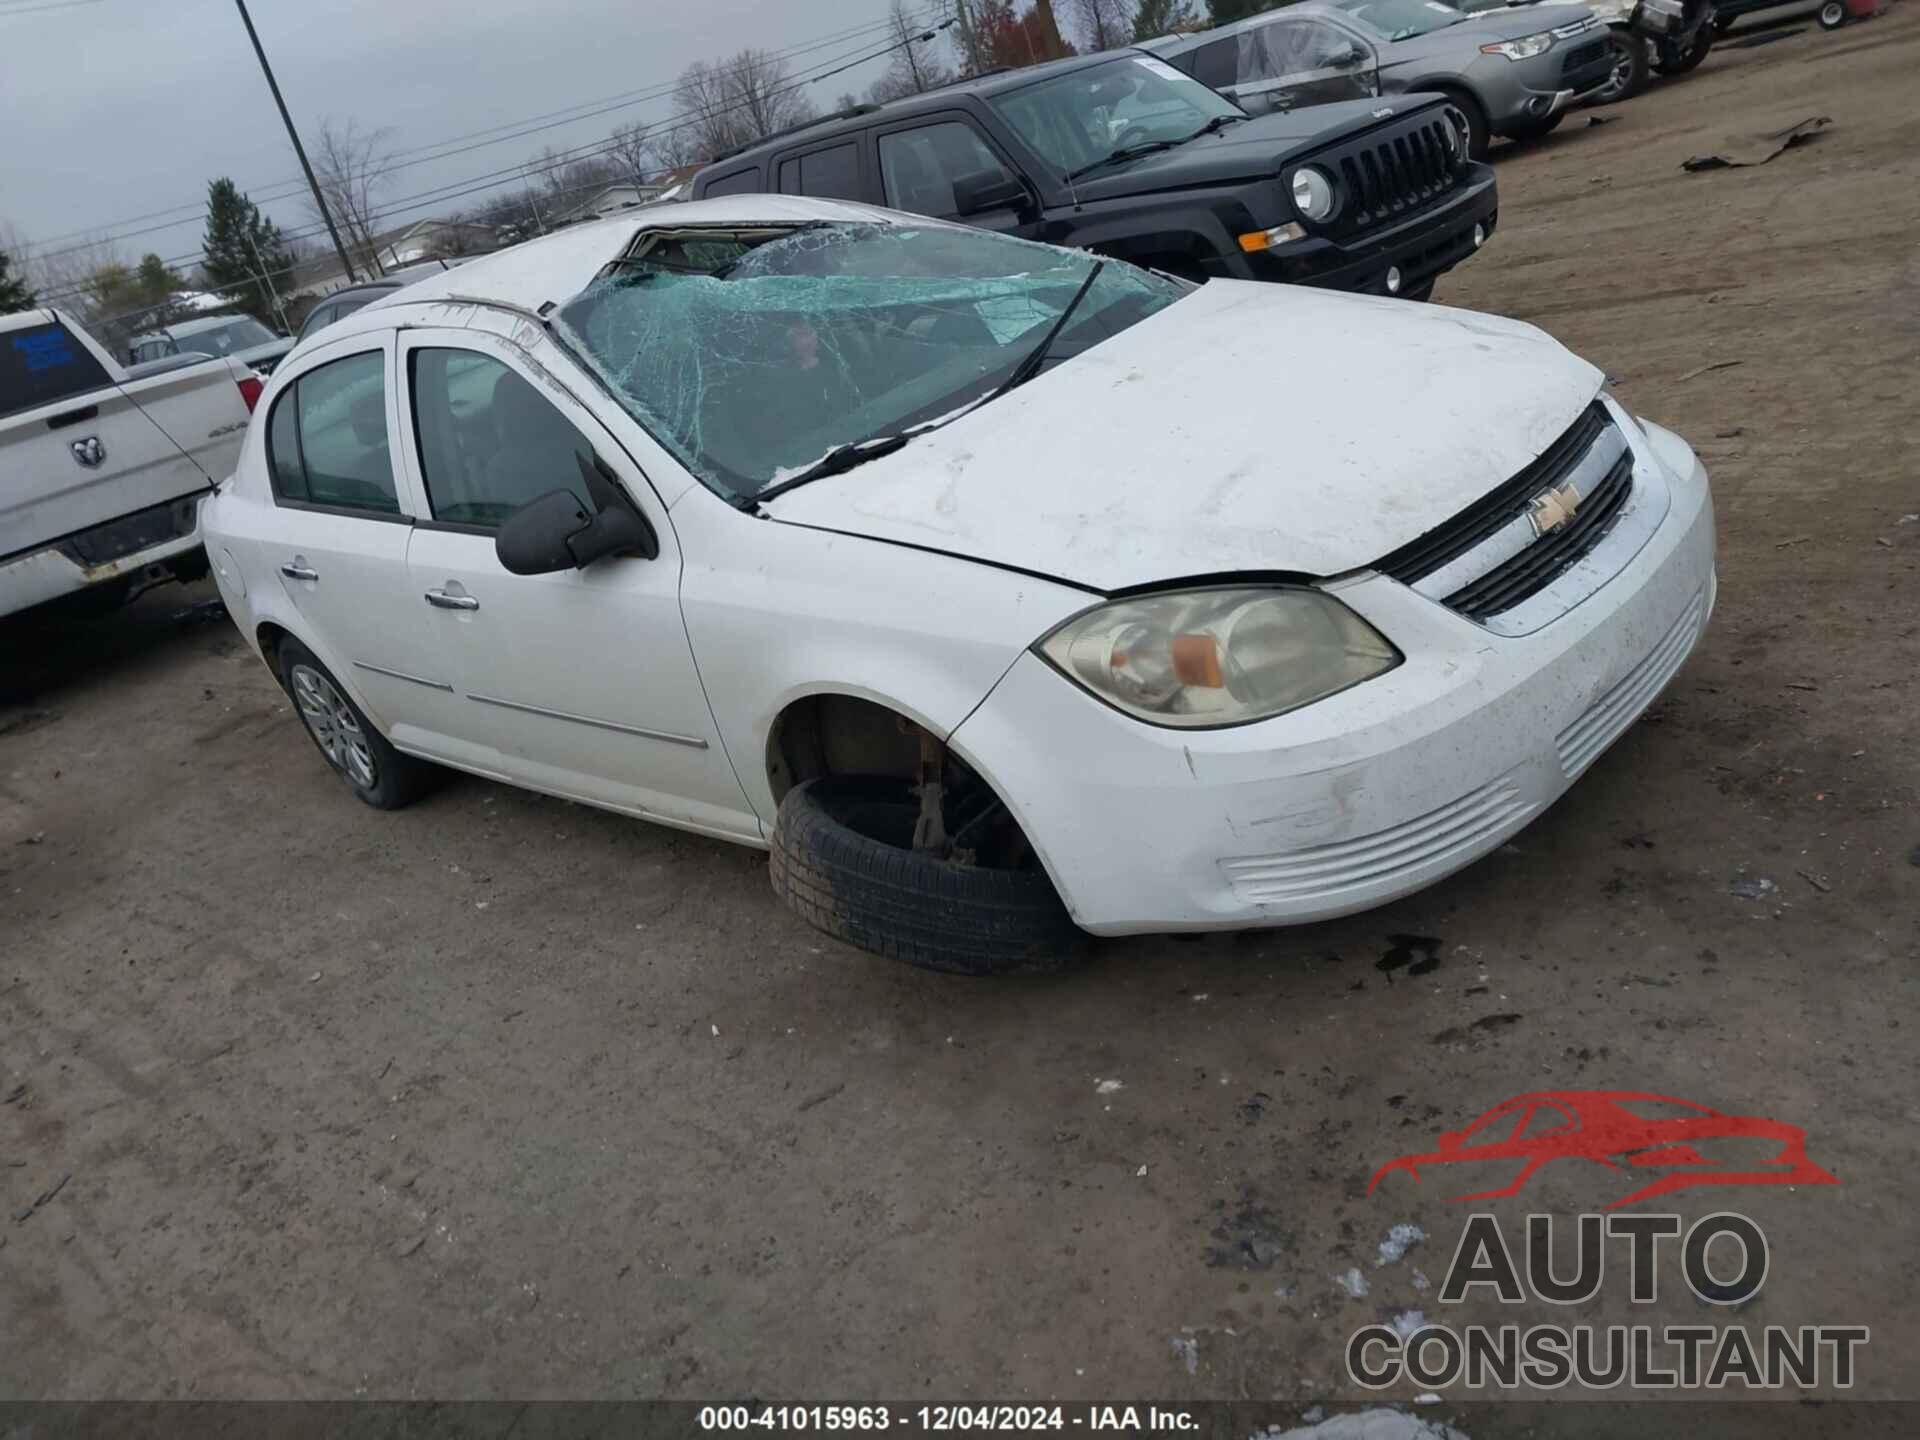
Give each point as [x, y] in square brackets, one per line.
[997, 589]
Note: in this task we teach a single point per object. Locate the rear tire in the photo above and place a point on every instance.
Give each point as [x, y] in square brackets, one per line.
[1690, 58]
[359, 754]
[1629, 75]
[842, 860]
[1832, 15]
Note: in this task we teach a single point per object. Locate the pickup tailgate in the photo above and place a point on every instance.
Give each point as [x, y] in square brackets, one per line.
[78, 449]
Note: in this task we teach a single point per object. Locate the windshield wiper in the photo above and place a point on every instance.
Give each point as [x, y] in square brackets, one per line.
[1030, 365]
[843, 458]
[838, 461]
[1125, 152]
[1216, 125]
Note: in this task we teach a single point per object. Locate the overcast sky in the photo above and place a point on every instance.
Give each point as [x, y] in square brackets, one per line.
[116, 108]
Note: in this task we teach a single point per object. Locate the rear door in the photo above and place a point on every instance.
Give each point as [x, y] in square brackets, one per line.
[582, 682]
[76, 449]
[338, 542]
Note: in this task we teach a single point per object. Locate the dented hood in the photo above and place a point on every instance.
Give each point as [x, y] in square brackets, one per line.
[1247, 427]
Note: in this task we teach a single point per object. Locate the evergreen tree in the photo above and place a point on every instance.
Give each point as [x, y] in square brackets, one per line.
[1225, 12]
[14, 294]
[241, 246]
[1162, 17]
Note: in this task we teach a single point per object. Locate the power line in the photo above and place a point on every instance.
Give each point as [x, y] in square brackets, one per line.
[492, 179]
[53, 5]
[440, 149]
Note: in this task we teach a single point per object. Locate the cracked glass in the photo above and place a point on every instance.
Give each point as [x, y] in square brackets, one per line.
[751, 353]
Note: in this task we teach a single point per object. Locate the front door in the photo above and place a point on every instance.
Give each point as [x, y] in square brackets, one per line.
[580, 683]
[1311, 62]
[921, 164]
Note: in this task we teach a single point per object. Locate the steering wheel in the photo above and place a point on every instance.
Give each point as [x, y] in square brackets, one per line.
[1132, 135]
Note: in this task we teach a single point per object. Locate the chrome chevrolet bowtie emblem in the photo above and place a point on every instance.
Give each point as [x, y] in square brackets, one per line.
[1551, 509]
[89, 452]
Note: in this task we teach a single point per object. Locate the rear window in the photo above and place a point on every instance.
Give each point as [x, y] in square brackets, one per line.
[43, 365]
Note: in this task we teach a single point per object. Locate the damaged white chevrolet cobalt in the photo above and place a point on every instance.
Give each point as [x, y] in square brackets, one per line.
[1002, 591]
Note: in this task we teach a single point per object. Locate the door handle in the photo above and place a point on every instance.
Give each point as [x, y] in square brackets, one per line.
[299, 572]
[442, 600]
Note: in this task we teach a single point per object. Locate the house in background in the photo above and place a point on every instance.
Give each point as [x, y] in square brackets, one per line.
[432, 240]
[609, 200]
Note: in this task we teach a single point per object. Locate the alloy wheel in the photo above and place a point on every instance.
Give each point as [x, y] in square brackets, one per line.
[334, 726]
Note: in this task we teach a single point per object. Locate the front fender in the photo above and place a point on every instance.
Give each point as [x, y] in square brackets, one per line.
[777, 612]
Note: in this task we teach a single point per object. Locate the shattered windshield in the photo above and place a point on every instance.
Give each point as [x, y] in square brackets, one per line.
[752, 354]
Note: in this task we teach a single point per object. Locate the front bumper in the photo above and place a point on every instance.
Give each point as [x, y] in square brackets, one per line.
[1368, 795]
[1534, 90]
[1422, 247]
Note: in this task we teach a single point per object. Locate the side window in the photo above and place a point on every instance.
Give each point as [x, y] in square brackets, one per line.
[327, 438]
[489, 441]
[1217, 65]
[1317, 45]
[918, 167]
[831, 174]
[740, 182]
[790, 177]
[1276, 50]
[283, 447]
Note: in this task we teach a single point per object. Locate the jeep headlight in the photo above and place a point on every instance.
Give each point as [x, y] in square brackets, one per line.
[1524, 48]
[1201, 658]
[1312, 193]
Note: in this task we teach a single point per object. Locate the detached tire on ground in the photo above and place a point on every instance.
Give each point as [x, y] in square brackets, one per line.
[843, 861]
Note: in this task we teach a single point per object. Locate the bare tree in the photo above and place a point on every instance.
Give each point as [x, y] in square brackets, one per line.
[913, 68]
[729, 104]
[352, 167]
[630, 148]
[1102, 24]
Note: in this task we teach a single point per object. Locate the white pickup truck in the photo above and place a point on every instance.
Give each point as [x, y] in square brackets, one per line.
[102, 472]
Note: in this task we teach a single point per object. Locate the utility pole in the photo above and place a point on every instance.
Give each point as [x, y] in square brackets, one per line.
[298, 149]
[265, 279]
[966, 33]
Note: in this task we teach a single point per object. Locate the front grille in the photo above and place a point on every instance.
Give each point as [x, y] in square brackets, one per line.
[141, 530]
[1582, 56]
[1542, 562]
[1453, 538]
[1392, 171]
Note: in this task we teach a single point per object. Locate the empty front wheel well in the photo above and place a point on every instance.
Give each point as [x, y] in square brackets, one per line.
[840, 735]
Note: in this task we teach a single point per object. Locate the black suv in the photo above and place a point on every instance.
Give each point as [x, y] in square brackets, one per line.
[1123, 154]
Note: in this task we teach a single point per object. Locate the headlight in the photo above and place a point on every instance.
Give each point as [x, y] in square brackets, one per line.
[1312, 193]
[1203, 658]
[1524, 48]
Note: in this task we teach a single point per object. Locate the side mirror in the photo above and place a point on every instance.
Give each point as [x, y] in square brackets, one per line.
[986, 190]
[556, 532]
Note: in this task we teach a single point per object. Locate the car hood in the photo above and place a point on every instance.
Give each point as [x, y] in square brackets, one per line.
[1247, 150]
[1245, 428]
[1507, 24]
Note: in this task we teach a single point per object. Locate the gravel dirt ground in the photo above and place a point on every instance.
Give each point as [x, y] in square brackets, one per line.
[503, 1097]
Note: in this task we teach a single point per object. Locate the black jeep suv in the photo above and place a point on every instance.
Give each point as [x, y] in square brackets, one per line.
[1123, 154]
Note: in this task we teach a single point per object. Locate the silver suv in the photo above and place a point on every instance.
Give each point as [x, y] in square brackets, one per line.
[1511, 73]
